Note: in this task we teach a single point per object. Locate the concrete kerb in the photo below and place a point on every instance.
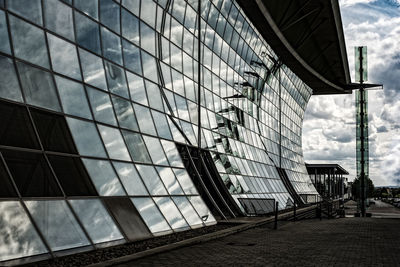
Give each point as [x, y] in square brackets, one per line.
[195, 240]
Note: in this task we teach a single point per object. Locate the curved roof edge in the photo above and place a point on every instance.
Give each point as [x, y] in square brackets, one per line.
[308, 37]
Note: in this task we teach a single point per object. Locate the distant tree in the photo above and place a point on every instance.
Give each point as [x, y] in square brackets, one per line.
[356, 187]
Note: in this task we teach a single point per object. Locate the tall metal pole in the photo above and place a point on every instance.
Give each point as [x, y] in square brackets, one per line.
[362, 137]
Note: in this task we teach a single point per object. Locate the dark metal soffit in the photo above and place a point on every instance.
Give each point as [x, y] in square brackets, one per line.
[339, 169]
[308, 37]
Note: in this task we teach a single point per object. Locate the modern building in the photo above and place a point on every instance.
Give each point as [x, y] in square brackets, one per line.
[128, 119]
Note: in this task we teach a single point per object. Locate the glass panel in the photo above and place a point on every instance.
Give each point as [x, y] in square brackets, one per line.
[86, 138]
[151, 215]
[72, 176]
[87, 32]
[202, 210]
[147, 38]
[155, 150]
[114, 143]
[73, 98]
[132, 57]
[130, 179]
[125, 115]
[132, 6]
[18, 237]
[109, 14]
[96, 220]
[171, 212]
[151, 180]
[31, 174]
[89, 7]
[101, 106]
[57, 224]
[6, 188]
[130, 27]
[146, 124]
[161, 124]
[185, 181]
[148, 12]
[38, 86]
[136, 147]
[155, 100]
[172, 154]
[125, 213]
[29, 42]
[187, 210]
[111, 46]
[149, 67]
[15, 127]
[5, 42]
[9, 86]
[29, 9]
[64, 57]
[93, 70]
[136, 88]
[116, 79]
[104, 178]
[53, 131]
[58, 18]
[169, 180]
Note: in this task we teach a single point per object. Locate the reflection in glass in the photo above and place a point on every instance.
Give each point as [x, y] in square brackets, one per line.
[93, 70]
[132, 57]
[114, 143]
[86, 138]
[185, 181]
[109, 14]
[104, 178]
[136, 88]
[111, 45]
[58, 18]
[9, 86]
[5, 42]
[38, 86]
[155, 100]
[18, 237]
[29, 9]
[101, 106]
[96, 220]
[116, 79]
[132, 6]
[146, 124]
[151, 215]
[172, 154]
[64, 57]
[87, 32]
[89, 7]
[171, 212]
[148, 12]
[161, 124]
[151, 180]
[149, 67]
[136, 147]
[130, 27]
[201, 208]
[57, 224]
[155, 150]
[169, 180]
[29, 42]
[130, 179]
[187, 211]
[125, 115]
[73, 98]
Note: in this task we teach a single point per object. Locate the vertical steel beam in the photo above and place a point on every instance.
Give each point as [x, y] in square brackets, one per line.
[362, 137]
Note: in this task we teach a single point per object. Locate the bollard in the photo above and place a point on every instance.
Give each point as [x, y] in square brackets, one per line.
[294, 212]
[276, 215]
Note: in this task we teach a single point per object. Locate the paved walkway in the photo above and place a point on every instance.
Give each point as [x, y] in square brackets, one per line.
[339, 242]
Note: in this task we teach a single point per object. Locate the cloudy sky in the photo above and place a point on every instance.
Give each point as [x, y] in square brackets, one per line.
[329, 124]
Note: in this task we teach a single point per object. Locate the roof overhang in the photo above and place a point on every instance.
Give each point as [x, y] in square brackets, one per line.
[326, 168]
[307, 35]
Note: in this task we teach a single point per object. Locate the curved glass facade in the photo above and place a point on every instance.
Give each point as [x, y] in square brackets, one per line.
[96, 97]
